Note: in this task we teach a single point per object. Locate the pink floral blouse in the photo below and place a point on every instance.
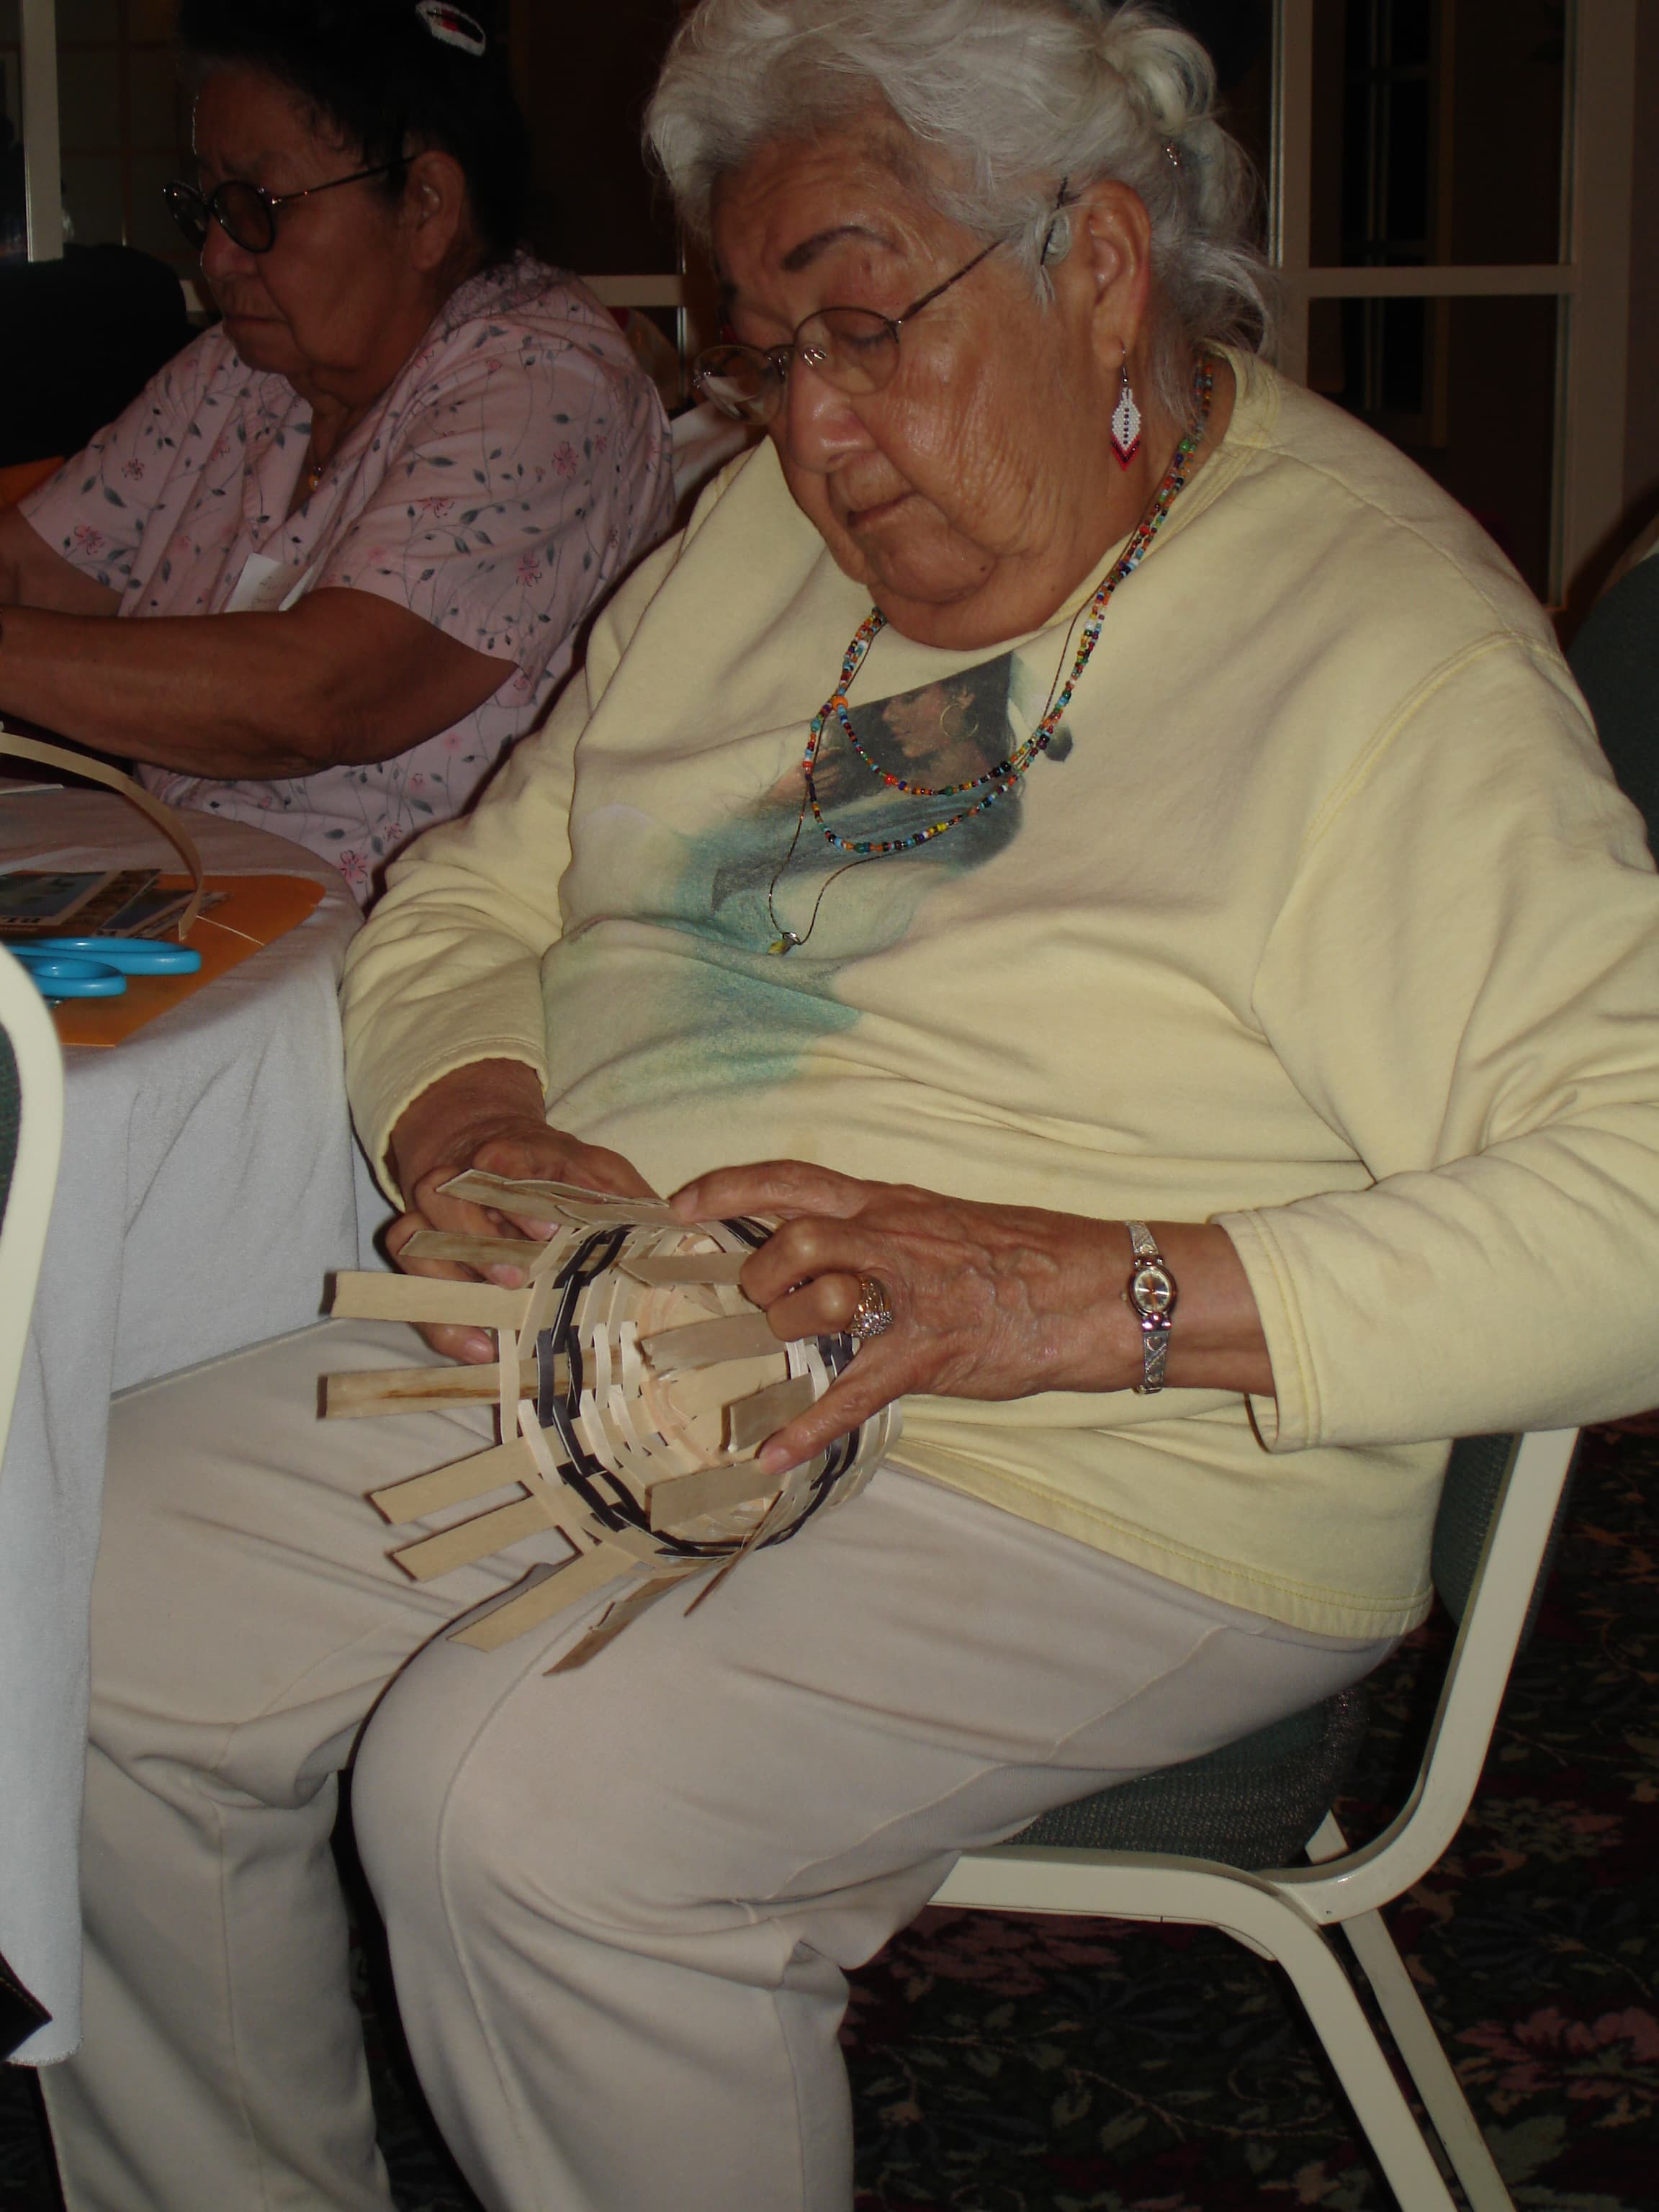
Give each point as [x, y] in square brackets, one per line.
[517, 467]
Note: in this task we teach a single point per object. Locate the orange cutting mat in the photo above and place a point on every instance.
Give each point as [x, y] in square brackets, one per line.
[255, 911]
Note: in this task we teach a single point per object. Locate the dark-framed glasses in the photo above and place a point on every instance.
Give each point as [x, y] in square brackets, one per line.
[853, 350]
[246, 213]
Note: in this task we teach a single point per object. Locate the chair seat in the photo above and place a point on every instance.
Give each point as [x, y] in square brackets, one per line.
[1251, 1804]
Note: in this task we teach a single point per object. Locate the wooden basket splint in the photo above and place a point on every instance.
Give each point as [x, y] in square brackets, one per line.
[635, 1384]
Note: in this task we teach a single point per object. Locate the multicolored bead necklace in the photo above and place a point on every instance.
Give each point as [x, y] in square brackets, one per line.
[996, 782]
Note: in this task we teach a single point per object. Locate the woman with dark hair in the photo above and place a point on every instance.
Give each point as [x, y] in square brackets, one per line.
[364, 516]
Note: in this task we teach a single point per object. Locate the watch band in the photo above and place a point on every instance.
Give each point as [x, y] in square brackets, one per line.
[1151, 1294]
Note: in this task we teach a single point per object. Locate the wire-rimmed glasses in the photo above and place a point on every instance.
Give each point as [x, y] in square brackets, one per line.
[853, 350]
[246, 213]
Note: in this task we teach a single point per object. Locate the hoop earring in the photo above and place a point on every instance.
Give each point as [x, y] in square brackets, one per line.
[1126, 420]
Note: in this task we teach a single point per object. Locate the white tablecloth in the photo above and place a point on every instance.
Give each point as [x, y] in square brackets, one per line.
[207, 1188]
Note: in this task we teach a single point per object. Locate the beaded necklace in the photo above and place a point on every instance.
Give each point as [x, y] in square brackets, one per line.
[994, 783]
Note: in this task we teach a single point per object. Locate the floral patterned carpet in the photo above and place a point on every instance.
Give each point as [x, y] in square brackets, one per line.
[1012, 2064]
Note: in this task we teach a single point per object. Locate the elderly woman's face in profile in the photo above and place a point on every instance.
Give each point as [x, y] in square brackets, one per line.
[952, 492]
[316, 303]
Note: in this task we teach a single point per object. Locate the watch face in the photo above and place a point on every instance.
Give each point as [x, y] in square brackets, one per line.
[1151, 1293]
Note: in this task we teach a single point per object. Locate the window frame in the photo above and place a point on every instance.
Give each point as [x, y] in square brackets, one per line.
[42, 180]
[1592, 283]
[136, 29]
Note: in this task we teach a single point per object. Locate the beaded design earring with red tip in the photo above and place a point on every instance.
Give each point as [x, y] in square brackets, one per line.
[1126, 421]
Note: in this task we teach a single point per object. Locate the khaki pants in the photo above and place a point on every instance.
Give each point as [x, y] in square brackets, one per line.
[619, 1901]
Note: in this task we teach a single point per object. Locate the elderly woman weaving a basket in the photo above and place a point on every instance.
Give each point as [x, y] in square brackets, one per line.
[1123, 849]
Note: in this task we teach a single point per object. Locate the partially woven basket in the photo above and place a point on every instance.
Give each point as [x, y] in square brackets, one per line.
[635, 1385]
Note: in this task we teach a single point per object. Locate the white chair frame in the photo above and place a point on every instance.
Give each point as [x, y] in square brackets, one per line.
[34, 1173]
[1282, 1914]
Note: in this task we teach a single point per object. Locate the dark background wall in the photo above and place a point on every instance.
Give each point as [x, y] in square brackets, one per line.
[585, 69]
[1642, 408]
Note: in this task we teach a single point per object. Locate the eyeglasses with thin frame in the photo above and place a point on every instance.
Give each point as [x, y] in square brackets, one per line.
[853, 350]
[245, 212]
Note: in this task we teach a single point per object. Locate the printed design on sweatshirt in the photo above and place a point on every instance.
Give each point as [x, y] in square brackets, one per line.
[734, 1012]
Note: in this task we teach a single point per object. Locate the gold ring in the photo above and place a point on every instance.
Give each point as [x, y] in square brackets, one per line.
[871, 1315]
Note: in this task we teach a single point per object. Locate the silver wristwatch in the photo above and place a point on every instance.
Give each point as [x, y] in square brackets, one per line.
[1151, 1293]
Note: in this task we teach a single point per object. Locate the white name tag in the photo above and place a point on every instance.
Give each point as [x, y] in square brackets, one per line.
[262, 587]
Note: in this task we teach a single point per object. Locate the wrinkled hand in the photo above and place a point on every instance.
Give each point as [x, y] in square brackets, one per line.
[487, 1116]
[987, 1301]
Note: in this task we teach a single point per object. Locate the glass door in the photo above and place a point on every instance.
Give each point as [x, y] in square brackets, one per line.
[1449, 216]
[98, 107]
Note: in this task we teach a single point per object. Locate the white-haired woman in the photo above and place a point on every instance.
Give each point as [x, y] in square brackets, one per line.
[1090, 818]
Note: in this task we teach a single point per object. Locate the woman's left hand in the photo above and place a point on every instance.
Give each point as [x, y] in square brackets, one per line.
[987, 1301]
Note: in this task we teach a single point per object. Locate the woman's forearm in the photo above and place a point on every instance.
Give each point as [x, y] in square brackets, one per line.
[989, 1301]
[985, 1302]
[1216, 1342]
[343, 677]
[219, 695]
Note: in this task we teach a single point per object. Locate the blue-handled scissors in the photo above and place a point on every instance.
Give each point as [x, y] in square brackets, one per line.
[97, 967]
[133, 956]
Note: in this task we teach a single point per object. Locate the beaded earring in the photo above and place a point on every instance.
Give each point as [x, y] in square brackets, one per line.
[1126, 421]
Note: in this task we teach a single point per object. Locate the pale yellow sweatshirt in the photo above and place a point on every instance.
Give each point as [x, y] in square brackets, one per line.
[1321, 918]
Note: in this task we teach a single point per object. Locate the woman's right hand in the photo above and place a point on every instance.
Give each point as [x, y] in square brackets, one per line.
[489, 1117]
